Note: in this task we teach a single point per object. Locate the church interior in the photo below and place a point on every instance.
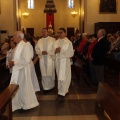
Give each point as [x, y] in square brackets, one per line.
[86, 99]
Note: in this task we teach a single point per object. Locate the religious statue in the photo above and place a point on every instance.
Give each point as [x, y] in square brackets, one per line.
[50, 29]
[77, 30]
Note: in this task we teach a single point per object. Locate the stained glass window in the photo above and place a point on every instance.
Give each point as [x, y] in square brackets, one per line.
[30, 4]
[70, 3]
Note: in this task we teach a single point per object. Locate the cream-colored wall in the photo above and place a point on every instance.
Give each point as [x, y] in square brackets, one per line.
[92, 15]
[7, 16]
[63, 18]
[37, 18]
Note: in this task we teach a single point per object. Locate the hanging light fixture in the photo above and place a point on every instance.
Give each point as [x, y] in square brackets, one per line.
[50, 7]
[25, 14]
[74, 13]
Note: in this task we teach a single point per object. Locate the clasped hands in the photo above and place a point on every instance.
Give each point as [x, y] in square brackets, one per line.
[11, 64]
[44, 53]
[57, 50]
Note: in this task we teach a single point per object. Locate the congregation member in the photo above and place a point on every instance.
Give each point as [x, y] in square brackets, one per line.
[2, 42]
[116, 45]
[64, 51]
[77, 40]
[85, 47]
[45, 50]
[98, 55]
[82, 43]
[32, 68]
[25, 97]
[111, 39]
[117, 56]
[10, 54]
[4, 48]
[93, 42]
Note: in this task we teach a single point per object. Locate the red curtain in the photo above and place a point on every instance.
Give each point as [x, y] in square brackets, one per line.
[50, 18]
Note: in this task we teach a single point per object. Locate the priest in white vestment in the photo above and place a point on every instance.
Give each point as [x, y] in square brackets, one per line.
[25, 97]
[45, 50]
[64, 51]
[32, 68]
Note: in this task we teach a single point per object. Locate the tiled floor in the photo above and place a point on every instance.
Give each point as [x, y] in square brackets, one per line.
[79, 104]
[75, 117]
[76, 107]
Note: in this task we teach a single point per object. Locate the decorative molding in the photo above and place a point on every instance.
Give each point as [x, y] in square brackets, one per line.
[50, 7]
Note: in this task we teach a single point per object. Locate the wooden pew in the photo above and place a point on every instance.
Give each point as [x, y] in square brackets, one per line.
[6, 102]
[4, 73]
[78, 64]
[2, 61]
[107, 103]
[113, 64]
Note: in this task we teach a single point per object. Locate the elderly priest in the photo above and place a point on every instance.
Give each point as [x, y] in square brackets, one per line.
[25, 97]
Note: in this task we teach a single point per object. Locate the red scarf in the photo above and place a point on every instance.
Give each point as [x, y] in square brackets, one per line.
[90, 49]
[81, 45]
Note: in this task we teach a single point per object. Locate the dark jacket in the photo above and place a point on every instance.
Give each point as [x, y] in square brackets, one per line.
[99, 52]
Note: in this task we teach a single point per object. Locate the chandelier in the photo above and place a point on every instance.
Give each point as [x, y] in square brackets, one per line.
[50, 7]
[25, 14]
[74, 13]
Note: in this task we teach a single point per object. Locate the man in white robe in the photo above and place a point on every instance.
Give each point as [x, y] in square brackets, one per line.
[25, 97]
[45, 50]
[32, 68]
[64, 51]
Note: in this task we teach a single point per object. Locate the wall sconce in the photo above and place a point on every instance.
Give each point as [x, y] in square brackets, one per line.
[74, 13]
[25, 14]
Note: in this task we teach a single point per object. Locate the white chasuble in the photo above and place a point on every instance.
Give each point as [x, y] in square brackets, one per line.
[31, 50]
[63, 65]
[16, 59]
[32, 70]
[25, 97]
[63, 58]
[46, 61]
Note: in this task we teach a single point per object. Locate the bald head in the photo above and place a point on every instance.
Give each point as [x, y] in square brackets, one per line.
[101, 33]
[18, 36]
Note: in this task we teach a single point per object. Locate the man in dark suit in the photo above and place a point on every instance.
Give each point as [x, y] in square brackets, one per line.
[99, 52]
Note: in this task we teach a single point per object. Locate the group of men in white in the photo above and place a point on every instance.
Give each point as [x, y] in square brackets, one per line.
[53, 54]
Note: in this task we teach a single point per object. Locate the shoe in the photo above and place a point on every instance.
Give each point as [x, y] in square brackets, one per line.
[45, 92]
[60, 98]
[48, 91]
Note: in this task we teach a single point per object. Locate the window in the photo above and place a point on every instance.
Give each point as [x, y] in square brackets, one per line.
[70, 3]
[30, 4]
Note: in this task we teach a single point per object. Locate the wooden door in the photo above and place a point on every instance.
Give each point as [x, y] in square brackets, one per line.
[70, 32]
[30, 31]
